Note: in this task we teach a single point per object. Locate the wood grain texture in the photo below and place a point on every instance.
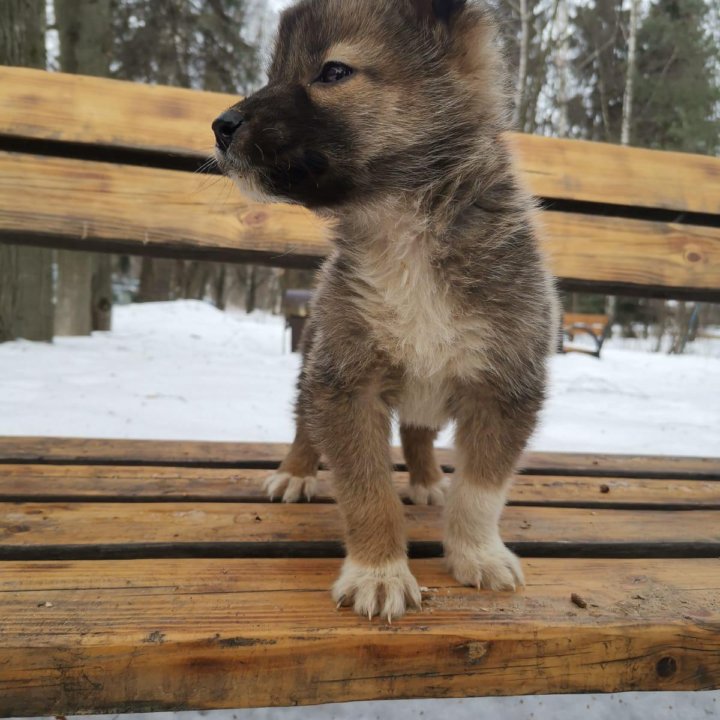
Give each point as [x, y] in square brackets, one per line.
[632, 252]
[104, 206]
[601, 172]
[104, 530]
[81, 109]
[53, 106]
[88, 483]
[93, 451]
[166, 635]
[90, 205]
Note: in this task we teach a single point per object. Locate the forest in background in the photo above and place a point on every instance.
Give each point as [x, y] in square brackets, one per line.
[635, 72]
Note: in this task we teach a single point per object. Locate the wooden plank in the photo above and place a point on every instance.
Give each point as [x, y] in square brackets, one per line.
[639, 466]
[70, 108]
[632, 253]
[88, 205]
[142, 452]
[103, 206]
[88, 483]
[141, 636]
[81, 109]
[600, 172]
[105, 530]
[91, 451]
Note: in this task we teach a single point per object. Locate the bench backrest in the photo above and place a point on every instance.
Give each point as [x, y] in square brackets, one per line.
[88, 163]
[594, 321]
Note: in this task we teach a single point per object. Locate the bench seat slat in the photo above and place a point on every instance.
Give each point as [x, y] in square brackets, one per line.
[65, 483]
[101, 530]
[164, 635]
[82, 451]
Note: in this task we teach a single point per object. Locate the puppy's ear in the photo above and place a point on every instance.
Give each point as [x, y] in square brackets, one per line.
[438, 10]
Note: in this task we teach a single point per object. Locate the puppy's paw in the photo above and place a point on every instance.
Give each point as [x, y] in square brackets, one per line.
[290, 489]
[490, 566]
[385, 590]
[423, 495]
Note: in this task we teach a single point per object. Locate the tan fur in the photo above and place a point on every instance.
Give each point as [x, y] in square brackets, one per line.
[436, 304]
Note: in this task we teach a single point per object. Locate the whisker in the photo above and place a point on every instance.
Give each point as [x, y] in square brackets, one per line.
[210, 164]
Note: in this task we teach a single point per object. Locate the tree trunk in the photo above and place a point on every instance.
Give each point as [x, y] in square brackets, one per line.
[251, 289]
[220, 287]
[22, 33]
[26, 291]
[196, 276]
[85, 33]
[630, 76]
[562, 66]
[84, 290]
[35, 309]
[157, 280]
[102, 294]
[8, 292]
[522, 61]
[72, 312]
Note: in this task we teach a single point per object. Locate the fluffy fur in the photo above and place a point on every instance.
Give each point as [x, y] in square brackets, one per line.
[436, 304]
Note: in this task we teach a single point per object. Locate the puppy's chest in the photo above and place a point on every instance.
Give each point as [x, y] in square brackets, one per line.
[413, 315]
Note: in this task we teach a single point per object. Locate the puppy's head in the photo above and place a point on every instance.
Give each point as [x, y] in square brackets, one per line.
[365, 98]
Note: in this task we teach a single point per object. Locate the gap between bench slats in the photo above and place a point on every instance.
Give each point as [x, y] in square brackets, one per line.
[103, 530]
[158, 453]
[83, 483]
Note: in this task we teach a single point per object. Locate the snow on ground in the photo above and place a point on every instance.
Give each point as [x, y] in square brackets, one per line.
[186, 371]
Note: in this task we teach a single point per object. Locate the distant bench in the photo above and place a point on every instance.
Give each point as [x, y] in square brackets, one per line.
[141, 576]
[597, 327]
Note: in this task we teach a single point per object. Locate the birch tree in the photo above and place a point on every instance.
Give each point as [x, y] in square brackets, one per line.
[630, 73]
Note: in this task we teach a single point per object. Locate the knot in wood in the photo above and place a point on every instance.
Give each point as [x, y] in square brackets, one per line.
[253, 218]
[666, 667]
[693, 254]
[476, 651]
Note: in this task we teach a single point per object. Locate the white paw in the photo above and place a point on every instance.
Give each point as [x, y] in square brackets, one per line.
[490, 566]
[291, 489]
[385, 590]
[433, 495]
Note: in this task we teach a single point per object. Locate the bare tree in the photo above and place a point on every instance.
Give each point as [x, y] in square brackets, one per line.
[84, 287]
[562, 68]
[205, 44]
[630, 73]
[26, 284]
[524, 49]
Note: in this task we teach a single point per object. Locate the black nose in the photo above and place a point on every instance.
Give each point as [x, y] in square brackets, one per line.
[225, 127]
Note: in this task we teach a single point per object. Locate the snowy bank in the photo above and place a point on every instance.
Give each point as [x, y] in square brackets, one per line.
[185, 370]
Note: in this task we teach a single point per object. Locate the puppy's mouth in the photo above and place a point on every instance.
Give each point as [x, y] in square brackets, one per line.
[285, 175]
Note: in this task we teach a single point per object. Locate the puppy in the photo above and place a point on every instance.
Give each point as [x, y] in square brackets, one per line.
[386, 117]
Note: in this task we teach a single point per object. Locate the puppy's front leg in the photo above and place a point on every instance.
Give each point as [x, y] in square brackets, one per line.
[352, 429]
[296, 478]
[492, 430]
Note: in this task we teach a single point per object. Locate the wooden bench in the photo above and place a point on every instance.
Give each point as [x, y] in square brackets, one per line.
[598, 327]
[139, 576]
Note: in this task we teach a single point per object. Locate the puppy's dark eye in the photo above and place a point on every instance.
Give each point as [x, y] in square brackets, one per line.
[333, 72]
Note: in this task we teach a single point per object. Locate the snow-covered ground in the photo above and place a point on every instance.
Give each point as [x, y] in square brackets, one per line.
[186, 371]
